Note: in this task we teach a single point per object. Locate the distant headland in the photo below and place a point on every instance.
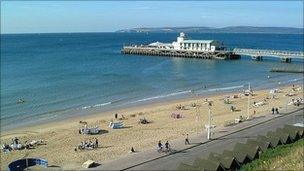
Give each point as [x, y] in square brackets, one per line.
[231, 29]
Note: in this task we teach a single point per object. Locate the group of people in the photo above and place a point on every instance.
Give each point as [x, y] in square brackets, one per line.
[89, 145]
[167, 147]
[297, 101]
[180, 107]
[294, 88]
[17, 145]
[275, 110]
[161, 148]
[143, 121]
[232, 108]
[89, 130]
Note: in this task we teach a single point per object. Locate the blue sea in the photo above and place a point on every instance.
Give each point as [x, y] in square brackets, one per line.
[64, 75]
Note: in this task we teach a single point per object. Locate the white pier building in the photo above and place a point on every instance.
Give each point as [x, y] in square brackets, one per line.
[183, 43]
[183, 47]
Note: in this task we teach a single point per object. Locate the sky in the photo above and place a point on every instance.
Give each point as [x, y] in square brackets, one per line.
[108, 16]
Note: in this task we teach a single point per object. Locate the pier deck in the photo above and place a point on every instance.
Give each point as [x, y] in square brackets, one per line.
[257, 54]
[144, 50]
[271, 53]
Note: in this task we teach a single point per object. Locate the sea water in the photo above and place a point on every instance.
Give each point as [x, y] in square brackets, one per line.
[63, 75]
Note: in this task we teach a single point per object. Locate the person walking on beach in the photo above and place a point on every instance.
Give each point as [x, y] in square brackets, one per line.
[272, 110]
[116, 115]
[187, 140]
[96, 142]
[132, 150]
[160, 146]
[167, 146]
[277, 110]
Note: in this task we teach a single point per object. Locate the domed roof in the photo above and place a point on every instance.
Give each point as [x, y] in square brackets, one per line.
[182, 34]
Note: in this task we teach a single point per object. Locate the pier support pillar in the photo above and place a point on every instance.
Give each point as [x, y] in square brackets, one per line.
[257, 58]
[286, 59]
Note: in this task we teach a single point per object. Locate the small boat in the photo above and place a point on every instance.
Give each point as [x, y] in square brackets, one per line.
[20, 101]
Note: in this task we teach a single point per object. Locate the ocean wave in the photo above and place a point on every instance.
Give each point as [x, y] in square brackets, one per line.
[161, 96]
[292, 80]
[225, 88]
[96, 105]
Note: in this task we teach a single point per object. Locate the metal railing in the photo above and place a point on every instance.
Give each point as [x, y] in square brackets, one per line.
[273, 53]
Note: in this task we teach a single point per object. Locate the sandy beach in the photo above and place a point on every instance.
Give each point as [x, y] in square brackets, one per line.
[62, 137]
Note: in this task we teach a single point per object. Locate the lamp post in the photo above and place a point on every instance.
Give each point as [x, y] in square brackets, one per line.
[287, 99]
[248, 103]
[197, 115]
[209, 121]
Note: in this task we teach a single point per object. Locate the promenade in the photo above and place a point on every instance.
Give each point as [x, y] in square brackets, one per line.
[224, 138]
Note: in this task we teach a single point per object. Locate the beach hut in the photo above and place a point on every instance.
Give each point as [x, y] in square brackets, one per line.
[275, 141]
[187, 167]
[263, 144]
[284, 137]
[294, 135]
[252, 151]
[298, 129]
[206, 164]
[229, 162]
[241, 157]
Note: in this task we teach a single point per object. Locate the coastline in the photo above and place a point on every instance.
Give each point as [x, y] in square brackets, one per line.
[109, 113]
[63, 135]
[134, 106]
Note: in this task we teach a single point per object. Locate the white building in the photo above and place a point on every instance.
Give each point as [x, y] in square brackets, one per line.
[161, 45]
[197, 45]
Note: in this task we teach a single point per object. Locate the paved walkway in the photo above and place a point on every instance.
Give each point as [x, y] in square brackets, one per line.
[223, 138]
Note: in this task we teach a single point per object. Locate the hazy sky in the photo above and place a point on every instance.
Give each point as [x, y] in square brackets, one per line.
[99, 16]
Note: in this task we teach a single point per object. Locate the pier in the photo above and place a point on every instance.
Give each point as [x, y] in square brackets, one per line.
[207, 49]
[144, 50]
[258, 54]
[185, 48]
